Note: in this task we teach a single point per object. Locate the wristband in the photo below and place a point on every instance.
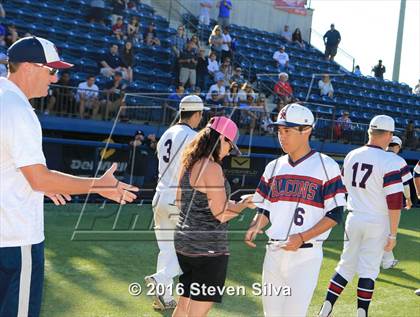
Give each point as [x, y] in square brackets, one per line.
[392, 237]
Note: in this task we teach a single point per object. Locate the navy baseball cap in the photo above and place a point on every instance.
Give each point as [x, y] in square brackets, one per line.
[36, 50]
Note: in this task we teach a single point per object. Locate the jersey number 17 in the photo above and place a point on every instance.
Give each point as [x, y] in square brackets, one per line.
[364, 167]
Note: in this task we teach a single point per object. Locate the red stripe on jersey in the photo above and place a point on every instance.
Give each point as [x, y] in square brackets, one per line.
[332, 180]
[294, 199]
[395, 201]
[339, 191]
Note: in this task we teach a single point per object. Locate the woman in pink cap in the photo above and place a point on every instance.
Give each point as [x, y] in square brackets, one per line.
[201, 239]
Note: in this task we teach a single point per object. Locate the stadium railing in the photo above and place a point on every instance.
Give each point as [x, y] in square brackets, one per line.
[159, 110]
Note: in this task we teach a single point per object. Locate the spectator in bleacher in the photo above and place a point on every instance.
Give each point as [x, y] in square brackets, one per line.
[201, 70]
[118, 7]
[227, 42]
[226, 70]
[409, 138]
[343, 127]
[150, 36]
[357, 71]
[213, 66]
[416, 90]
[225, 6]
[11, 34]
[282, 59]
[331, 39]
[62, 96]
[175, 98]
[127, 57]
[286, 34]
[232, 96]
[96, 12]
[133, 31]
[216, 41]
[87, 96]
[245, 91]
[297, 38]
[205, 7]
[283, 89]
[379, 70]
[261, 112]
[188, 63]
[219, 87]
[132, 5]
[237, 76]
[115, 96]
[119, 29]
[111, 63]
[179, 41]
[195, 43]
[3, 63]
[325, 86]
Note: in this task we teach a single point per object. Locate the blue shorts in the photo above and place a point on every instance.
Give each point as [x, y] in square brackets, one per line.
[21, 280]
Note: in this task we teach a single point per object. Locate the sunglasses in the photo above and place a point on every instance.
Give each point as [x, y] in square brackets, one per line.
[53, 71]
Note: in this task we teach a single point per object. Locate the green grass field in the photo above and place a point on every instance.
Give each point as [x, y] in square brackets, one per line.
[90, 275]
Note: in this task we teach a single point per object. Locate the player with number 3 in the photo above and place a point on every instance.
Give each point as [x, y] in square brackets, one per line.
[169, 152]
[301, 195]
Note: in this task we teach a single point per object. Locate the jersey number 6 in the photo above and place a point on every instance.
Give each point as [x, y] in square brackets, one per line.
[298, 218]
[365, 167]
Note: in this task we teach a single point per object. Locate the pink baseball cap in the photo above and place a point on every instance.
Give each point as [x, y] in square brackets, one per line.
[228, 129]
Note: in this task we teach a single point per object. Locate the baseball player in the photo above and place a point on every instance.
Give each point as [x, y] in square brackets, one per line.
[388, 260]
[33, 63]
[169, 150]
[372, 178]
[302, 196]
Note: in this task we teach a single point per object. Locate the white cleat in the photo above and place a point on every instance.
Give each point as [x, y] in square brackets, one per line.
[417, 292]
[326, 309]
[361, 312]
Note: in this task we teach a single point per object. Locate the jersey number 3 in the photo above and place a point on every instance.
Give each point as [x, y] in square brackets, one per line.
[168, 144]
[364, 167]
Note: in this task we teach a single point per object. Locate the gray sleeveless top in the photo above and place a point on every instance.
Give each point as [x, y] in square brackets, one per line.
[198, 232]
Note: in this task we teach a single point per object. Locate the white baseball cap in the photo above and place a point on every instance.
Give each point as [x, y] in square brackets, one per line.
[396, 140]
[192, 103]
[382, 122]
[294, 115]
[34, 49]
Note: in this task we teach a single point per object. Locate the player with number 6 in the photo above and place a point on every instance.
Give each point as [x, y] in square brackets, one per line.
[301, 195]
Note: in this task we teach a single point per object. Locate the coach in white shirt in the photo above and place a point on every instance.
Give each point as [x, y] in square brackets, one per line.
[25, 178]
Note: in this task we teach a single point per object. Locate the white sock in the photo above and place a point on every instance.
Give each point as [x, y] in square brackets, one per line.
[325, 309]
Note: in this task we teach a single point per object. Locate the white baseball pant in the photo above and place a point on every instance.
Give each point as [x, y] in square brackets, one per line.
[165, 218]
[364, 245]
[298, 270]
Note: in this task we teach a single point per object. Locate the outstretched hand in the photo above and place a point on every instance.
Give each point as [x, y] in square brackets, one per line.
[58, 199]
[110, 187]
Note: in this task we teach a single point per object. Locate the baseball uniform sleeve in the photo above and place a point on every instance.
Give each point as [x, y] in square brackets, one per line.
[406, 175]
[333, 189]
[24, 137]
[393, 186]
[262, 194]
[417, 170]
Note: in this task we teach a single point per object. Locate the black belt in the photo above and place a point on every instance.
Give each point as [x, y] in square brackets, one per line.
[303, 246]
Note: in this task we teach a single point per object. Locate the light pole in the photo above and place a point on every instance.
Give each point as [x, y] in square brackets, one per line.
[398, 46]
